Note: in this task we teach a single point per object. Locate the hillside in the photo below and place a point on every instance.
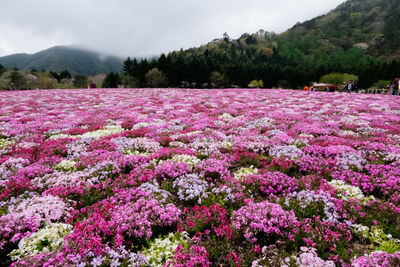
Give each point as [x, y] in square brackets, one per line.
[373, 25]
[59, 58]
[360, 37]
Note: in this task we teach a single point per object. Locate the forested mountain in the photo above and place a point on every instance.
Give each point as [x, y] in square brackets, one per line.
[372, 25]
[361, 37]
[59, 58]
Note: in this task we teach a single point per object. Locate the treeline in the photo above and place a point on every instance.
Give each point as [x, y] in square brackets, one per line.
[236, 63]
[14, 79]
[361, 38]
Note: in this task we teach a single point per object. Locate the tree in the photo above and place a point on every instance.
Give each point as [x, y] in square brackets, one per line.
[349, 77]
[162, 62]
[283, 84]
[226, 37]
[112, 80]
[251, 40]
[332, 78]
[65, 75]
[3, 84]
[155, 78]
[55, 75]
[391, 27]
[45, 81]
[80, 81]
[17, 80]
[59, 76]
[217, 79]
[2, 69]
[381, 84]
[141, 70]
[256, 84]
[288, 60]
[266, 51]
[338, 78]
[128, 67]
[129, 81]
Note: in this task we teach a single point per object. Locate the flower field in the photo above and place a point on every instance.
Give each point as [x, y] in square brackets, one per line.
[171, 177]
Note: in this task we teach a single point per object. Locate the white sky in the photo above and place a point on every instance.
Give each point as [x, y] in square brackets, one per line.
[143, 27]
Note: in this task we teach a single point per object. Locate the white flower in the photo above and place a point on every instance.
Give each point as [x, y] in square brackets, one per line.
[161, 250]
[244, 172]
[52, 235]
[108, 130]
[225, 116]
[66, 165]
[345, 191]
[191, 160]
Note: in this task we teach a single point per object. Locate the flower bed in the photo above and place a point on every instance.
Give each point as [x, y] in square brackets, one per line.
[171, 177]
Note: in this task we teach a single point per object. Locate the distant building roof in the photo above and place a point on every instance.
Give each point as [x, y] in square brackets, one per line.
[320, 84]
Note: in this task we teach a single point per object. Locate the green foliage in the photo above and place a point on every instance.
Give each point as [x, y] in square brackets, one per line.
[55, 75]
[349, 77]
[80, 81]
[315, 208]
[155, 78]
[391, 28]
[44, 81]
[90, 196]
[283, 84]
[381, 84]
[65, 75]
[112, 80]
[256, 84]
[3, 210]
[3, 84]
[249, 160]
[129, 81]
[389, 246]
[2, 69]
[289, 60]
[376, 237]
[332, 78]
[217, 79]
[129, 66]
[387, 221]
[17, 80]
[338, 78]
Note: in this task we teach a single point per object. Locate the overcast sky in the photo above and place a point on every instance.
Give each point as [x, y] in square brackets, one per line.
[143, 27]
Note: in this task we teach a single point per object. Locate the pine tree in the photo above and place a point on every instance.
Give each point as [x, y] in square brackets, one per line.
[128, 67]
[2, 69]
[112, 80]
[17, 80]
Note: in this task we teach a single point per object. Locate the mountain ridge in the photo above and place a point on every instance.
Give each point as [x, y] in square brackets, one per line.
[58, 58]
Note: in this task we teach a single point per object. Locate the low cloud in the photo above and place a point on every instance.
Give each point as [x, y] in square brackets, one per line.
[143, 28]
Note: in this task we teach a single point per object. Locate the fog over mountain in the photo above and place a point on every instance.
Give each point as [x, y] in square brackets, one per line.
[143, 28]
